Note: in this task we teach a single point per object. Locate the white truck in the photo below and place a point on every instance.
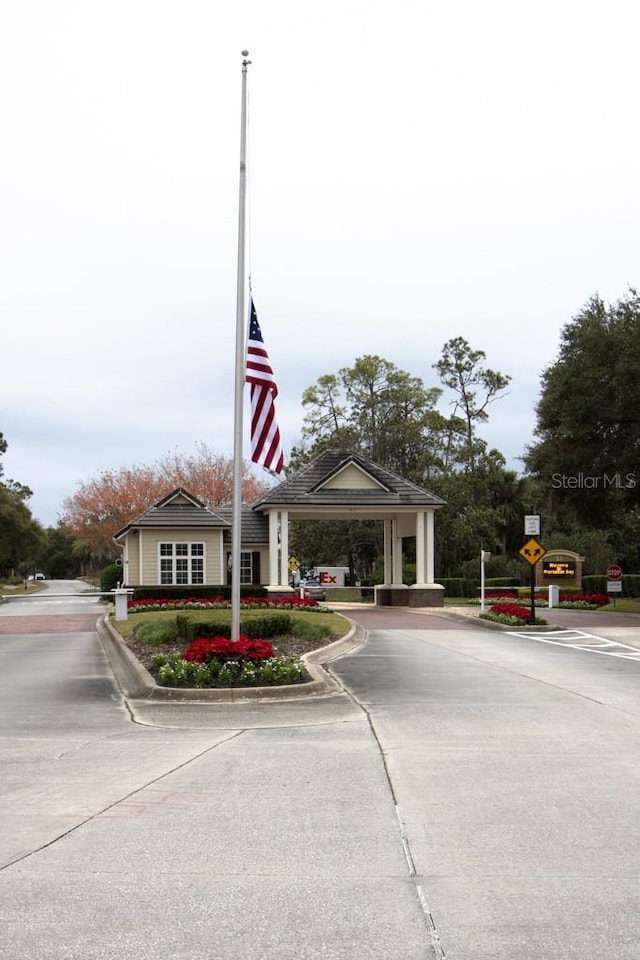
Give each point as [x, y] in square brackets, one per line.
[331, 576]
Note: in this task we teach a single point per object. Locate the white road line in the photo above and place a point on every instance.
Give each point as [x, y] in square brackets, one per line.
[571, 638]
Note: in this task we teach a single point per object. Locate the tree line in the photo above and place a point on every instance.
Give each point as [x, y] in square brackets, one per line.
[580, 470]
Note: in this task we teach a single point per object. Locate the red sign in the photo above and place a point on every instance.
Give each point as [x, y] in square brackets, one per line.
[614, 572]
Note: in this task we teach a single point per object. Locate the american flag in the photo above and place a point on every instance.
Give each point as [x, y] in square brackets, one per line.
[265, 433]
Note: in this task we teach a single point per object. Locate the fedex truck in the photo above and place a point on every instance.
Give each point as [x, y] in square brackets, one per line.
[331, 576]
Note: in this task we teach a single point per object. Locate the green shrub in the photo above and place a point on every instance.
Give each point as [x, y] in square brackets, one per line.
[201, 592]
[282, 670]
[229, 671]
[269, 625]
[156, 632]
[304, 630]
[110, 577]
[598, 584]
[173, 671]
[459, 586]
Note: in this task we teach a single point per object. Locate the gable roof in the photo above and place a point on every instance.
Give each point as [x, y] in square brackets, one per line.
[340, 479]
[179, 509]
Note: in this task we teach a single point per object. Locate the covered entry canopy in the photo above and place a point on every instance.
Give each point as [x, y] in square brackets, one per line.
[342, 485]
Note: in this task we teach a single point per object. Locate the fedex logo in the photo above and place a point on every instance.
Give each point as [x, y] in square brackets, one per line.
[327, 578]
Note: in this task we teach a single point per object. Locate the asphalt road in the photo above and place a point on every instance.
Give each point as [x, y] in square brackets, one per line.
[471, 795]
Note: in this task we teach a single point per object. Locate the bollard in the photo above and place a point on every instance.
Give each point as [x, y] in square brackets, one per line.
[121, 603]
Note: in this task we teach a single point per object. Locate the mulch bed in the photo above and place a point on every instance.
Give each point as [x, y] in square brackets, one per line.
[284, 647]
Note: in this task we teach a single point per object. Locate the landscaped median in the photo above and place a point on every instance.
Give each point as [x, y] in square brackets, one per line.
[175, 650]
[512, 610]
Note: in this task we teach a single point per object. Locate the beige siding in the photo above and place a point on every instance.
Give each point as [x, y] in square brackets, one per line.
[351, 478]
[130, 560]
[147, 542]
[151, 539]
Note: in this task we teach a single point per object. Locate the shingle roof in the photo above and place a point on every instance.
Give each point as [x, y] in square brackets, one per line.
[255, 526]
[307, 488]
[194, 513]
[180, 514]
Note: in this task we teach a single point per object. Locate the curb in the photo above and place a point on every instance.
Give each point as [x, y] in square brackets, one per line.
[493, 625]
[136, 683]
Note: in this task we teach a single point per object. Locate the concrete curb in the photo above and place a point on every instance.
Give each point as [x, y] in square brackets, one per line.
[136, 683]
[492, 625]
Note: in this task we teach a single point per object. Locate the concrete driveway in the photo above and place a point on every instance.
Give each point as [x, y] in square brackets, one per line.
[468, 794]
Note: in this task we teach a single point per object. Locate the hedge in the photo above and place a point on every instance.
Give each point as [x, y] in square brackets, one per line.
[459, 586]
[270, 625]
[598, 584]
[201, 592]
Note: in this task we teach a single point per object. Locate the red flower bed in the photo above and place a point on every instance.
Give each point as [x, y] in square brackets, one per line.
[285, 602]
[598, 599]
[512, 610]
[206, 648]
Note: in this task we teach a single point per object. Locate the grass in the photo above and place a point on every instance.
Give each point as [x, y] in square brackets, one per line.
[619, 605]
[315, 630]
[17, 589]
[337, 624]
[622, 605]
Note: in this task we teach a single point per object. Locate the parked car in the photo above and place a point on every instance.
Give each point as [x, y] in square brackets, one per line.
[40, 576]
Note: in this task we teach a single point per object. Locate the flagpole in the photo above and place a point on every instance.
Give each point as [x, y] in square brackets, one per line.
[241, 311]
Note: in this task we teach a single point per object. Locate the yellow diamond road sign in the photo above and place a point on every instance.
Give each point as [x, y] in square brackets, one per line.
[532, 551]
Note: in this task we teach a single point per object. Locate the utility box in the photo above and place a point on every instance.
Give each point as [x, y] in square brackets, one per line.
[121, 597]
[554, 595]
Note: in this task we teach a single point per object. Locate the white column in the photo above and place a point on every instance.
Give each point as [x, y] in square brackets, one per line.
[283, 577]
[273, 547]
[141, 577]
[397, 554]
[430, 546]
[388, 553]
[420, 548]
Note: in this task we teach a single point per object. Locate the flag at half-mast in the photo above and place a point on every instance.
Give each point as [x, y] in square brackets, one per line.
[266, 448]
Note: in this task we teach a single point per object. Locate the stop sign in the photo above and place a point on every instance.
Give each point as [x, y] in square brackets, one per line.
[614, 572]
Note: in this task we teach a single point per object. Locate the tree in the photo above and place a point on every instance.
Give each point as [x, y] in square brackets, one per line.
[375, 409]
[21, 537]
[104, 504]
[58, 557]
[587, 454]
[352, 543]
[460, 369]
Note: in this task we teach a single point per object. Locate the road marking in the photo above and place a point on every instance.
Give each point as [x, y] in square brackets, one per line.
[588, 642]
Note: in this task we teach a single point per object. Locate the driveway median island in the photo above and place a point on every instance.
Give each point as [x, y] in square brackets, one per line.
[182, 649]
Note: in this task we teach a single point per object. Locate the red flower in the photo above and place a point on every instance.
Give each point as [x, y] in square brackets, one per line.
[254, 649]
[204, 649]
[512, 610]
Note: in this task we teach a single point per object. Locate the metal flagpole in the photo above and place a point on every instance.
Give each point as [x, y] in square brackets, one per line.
[241, 311]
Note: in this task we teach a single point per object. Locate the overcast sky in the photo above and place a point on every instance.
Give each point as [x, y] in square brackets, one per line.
[419, 171]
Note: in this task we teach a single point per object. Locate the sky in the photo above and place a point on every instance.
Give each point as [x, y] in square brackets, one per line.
[418, 171]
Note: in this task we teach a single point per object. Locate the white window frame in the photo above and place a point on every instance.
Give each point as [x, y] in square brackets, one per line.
[192, 551]
[246, 566]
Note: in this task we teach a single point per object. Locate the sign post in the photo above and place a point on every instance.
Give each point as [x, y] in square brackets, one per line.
[532, 551]
[484, 557]
[614, 580]
[532, 525]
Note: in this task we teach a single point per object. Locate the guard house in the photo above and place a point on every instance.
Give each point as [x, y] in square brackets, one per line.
[338, 486]
[182, 541]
